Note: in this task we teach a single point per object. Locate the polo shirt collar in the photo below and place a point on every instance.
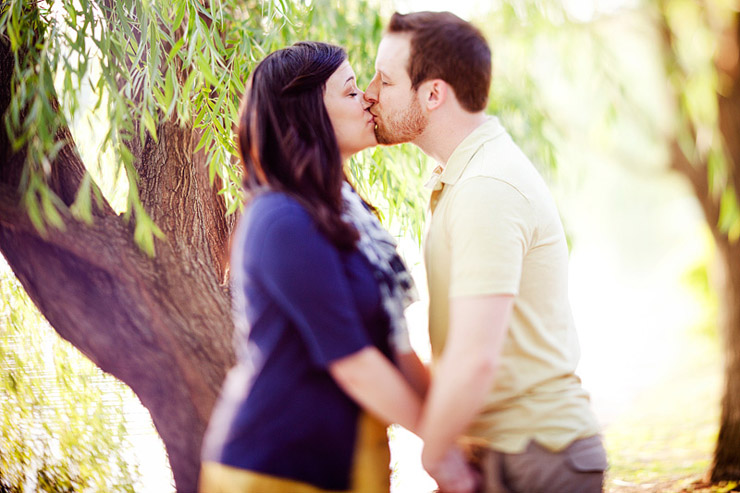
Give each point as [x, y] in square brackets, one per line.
[465, 151]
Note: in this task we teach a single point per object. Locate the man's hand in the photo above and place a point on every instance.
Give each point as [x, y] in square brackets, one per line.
[453, 474]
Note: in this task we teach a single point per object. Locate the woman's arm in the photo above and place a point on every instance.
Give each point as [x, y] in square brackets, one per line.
[414, 371]
[377, 386]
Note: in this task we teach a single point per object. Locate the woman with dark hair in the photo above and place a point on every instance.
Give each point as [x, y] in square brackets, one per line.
[324, 361]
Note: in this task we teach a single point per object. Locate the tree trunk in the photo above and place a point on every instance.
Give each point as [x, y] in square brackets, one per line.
[162, 325]
[726, 465]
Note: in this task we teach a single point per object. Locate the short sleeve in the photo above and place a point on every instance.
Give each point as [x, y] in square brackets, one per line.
[488, 229]
[302, 271]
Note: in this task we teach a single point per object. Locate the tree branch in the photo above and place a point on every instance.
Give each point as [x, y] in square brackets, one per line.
[695, 167]
[728, 98]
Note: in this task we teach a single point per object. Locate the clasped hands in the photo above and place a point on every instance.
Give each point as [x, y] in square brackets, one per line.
[453, 473]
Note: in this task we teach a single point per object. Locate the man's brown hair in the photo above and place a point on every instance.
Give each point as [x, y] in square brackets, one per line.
[443, 46]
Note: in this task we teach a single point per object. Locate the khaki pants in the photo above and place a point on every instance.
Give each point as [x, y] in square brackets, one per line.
[579, 468]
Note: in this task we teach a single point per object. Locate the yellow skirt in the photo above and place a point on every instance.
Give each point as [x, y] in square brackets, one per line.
[370, 471]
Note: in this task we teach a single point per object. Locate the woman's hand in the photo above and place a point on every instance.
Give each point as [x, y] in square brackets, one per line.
[453, 473]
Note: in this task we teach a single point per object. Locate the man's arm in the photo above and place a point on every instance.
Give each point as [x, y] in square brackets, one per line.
[465, 372]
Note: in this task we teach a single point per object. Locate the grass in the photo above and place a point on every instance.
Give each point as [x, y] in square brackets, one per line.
[665, 441]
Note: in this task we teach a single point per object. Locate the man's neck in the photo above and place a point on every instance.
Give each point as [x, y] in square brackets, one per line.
[440, 139]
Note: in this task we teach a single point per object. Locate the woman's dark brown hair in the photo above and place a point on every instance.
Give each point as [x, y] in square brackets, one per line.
[286, 140]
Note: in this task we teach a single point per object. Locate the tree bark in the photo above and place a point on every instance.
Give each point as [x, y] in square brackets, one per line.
[726, 464]
[162, 325]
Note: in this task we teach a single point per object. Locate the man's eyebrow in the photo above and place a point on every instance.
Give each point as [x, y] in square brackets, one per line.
[349, 79]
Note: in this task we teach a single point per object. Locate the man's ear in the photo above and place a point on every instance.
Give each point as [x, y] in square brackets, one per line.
[434, 92]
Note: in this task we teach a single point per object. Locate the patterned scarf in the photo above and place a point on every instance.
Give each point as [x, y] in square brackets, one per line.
[397, 290]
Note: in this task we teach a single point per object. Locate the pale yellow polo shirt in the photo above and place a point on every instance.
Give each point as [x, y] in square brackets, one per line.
[495, 229]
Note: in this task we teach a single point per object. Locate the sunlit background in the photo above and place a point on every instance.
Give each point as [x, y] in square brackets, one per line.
[637, 234]
[640, 252]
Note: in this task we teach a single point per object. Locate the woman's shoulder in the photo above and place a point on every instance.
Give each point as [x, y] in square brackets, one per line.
[272, 222]
[274, 217]
[271, 208]
[271, 200]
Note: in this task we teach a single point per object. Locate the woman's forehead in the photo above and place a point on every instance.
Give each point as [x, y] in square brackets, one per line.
[342, 77]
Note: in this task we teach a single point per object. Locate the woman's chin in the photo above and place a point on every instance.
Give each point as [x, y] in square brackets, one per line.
[370, 143]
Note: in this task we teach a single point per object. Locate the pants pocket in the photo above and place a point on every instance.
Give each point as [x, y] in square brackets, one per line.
[587, 455]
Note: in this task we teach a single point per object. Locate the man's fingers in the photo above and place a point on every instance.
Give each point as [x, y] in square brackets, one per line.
[458, 480]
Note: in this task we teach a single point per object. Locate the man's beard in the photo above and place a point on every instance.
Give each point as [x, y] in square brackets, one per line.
[403, 127]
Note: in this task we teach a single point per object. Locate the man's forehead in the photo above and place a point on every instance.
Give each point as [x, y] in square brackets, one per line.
[393, 52]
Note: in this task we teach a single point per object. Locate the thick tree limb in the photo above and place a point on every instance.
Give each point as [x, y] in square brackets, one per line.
[162, 324]
[728, 68]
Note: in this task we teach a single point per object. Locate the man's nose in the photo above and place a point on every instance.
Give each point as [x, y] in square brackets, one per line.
[371, 93]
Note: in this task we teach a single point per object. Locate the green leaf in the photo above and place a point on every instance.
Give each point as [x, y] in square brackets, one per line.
[34, 212]
[169, 91]
[148, 121]
[205, 69]
[82, 207]
[233, 207]
[159, 97]
[49, 203]
[179, 16]
[212, 172]
[205, 138]
[175, 50]
[729, 216]
[146, 231]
